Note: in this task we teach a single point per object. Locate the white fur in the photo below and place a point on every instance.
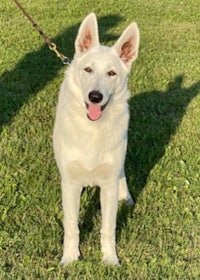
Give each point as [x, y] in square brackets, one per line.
[89, 152]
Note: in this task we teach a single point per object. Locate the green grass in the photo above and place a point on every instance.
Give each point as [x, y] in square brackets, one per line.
[160, 237]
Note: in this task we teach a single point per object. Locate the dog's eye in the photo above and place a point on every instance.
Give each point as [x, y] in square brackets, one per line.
[112, 73]
[88, 70]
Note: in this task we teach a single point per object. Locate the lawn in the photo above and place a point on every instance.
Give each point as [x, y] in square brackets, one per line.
[158, 238]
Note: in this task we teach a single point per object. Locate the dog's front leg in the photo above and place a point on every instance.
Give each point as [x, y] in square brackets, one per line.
[109, 203]
[71, 203]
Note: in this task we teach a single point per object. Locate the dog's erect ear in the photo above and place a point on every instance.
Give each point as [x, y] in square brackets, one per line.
[128, 44]
[88, 36]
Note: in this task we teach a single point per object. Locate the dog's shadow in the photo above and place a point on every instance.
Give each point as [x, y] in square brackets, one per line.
[27, 78]
[154, 119]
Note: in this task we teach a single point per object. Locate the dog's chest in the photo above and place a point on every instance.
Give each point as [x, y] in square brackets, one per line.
[93, 146]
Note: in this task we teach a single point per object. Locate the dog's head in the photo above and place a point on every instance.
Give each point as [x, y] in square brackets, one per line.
[102, 71]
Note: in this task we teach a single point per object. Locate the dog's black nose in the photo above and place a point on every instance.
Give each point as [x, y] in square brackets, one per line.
[95, 96]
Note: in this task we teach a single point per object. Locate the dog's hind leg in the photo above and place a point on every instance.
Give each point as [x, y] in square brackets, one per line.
[71, 204]
[124, 193]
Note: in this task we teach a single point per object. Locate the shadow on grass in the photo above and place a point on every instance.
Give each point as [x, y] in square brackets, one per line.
[154, 119]
[38, 68]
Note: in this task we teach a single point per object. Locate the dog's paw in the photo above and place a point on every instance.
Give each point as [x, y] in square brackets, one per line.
[68, 259]
[110, 260]
[130, 201]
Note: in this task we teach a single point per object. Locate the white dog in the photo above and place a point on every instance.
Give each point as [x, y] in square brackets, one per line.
[90, 133]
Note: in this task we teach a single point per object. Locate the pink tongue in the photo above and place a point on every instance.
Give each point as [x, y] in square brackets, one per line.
[94, 112]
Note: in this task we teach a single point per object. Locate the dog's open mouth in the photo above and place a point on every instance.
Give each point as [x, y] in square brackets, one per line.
[95, 110]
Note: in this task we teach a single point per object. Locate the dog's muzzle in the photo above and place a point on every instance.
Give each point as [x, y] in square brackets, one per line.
[94, 109]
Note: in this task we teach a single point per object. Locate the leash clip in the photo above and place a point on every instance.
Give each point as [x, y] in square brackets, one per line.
[65, 60]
